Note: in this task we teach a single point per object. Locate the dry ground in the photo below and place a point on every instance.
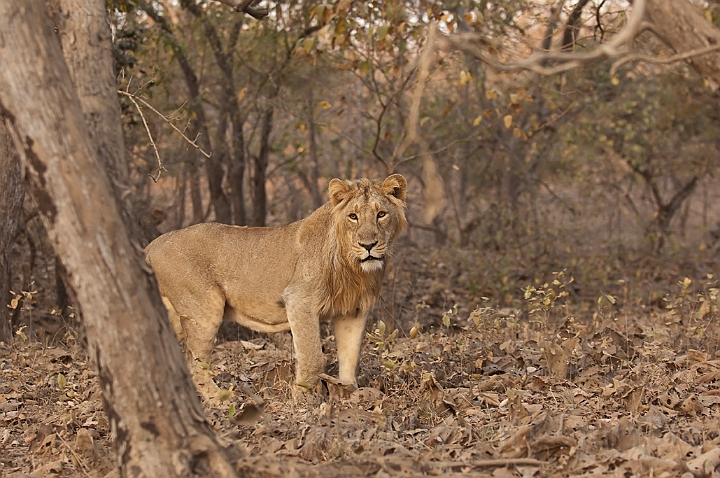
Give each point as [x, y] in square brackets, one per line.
[502, 392]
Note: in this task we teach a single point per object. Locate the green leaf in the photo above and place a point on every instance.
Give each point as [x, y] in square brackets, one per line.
[224, 394]
[61, 380]
[382, 32]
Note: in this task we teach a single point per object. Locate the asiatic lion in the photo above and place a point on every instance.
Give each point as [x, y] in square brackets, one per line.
[328, 266]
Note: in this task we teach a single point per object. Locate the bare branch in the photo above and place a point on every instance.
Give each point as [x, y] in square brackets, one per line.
[662, 61]
[619, 46]
[161, 168]
[345, 137]
[434, 152]
[190, 141]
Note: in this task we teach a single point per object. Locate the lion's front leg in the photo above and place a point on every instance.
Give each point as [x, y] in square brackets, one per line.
[305, 328]
[349, 333]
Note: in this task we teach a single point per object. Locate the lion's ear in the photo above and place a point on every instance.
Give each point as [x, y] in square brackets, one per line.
[338, 191]
[395, 185]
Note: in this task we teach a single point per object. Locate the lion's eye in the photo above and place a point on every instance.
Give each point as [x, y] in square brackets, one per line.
[381, 214]
[353, 216]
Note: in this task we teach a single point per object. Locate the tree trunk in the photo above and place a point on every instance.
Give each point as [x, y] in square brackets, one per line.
[150, 400]
[235, 156]
[86, 41]
[684, 28]
[317, 199]
[236, 173]
[193, 178]
[261, 164]
[12, 192]
[213, 168]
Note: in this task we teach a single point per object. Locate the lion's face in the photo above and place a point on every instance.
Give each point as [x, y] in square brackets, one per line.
[368, 216]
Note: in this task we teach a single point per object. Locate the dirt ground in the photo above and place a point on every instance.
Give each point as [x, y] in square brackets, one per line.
[498, 392]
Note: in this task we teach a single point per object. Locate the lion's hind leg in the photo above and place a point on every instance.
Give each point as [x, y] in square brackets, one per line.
[175, 319]
[196, 322]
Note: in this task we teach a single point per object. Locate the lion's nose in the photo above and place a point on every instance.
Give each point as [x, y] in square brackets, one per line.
[368, 247]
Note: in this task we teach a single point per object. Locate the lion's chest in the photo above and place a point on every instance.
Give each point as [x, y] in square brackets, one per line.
[349, 295]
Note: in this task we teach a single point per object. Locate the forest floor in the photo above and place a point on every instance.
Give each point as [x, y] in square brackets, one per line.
[550, 389]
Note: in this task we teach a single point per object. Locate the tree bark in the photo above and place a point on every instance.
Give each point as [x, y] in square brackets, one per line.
[684, 28]
[312, 184]
[572, 26]
[261, 164]
[12, 192]
[150, 400]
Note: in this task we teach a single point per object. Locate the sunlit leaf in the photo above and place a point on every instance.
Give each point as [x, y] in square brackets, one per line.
[382, 32]
[477, 120]
[308, 44]
[414, 331]
[508, 119]
[325, 105]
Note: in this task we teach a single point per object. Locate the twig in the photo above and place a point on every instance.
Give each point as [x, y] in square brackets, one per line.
[508, 462]
[83, 467]
[191, 142]
[432, 153]
[161, 168]
[662, 61]
[345, 137]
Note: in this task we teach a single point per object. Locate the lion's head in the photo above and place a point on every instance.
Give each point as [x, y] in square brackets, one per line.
[368, 216]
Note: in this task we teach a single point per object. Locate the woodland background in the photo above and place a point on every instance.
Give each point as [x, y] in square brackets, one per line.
[555, 292]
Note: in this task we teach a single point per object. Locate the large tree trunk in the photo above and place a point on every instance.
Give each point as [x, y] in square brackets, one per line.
[12, 192]
[684, 28]
[85, 38]
[150, 400]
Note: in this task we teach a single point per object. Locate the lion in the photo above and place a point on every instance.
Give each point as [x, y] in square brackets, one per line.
[327, 266]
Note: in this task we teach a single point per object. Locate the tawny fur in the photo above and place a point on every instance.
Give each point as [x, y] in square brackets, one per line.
[328, 266]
